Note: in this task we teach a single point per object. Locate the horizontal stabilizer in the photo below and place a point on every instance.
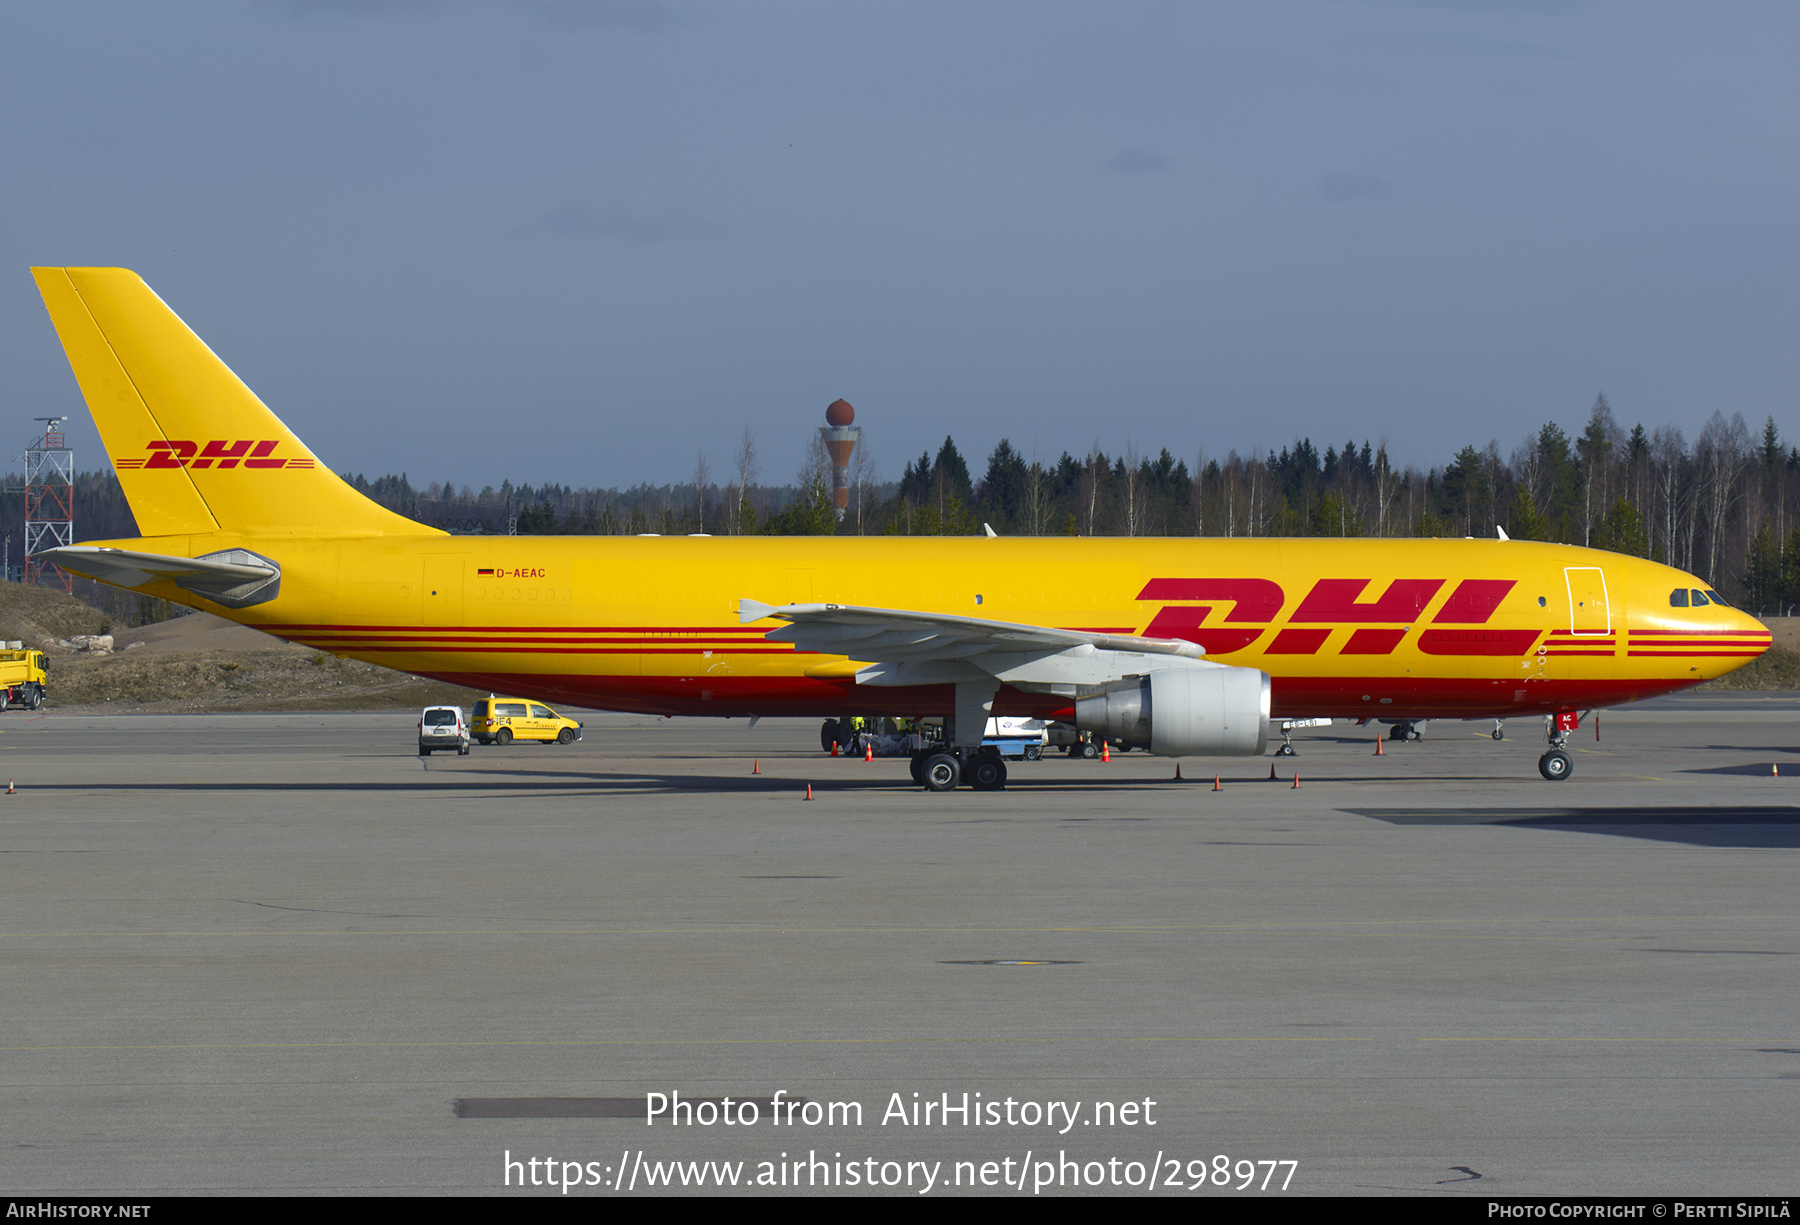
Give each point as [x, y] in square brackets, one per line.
[235, 578]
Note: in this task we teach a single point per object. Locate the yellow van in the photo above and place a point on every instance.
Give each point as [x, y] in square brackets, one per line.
[504, 720]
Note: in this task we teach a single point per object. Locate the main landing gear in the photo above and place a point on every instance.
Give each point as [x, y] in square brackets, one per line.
[945, 768]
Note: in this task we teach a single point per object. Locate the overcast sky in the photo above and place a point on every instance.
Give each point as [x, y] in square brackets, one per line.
[553, 240]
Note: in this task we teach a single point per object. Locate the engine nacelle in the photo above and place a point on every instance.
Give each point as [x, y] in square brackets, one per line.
[1184, 712]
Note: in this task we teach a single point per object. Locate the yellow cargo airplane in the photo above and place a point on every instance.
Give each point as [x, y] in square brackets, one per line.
[1188, 647]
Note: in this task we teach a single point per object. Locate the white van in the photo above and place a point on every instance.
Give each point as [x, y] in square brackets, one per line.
[443, 727]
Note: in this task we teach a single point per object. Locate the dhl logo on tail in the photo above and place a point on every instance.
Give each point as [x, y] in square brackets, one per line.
[176, 453]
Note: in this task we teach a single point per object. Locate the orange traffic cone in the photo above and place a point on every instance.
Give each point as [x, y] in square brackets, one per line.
[869, 751]
[1216, 786]
[756, 766]
[1774, 772]
[10, 789]
[1105, 752]
[1296, 780]
[1271, 772]
[1378, 751]
[809, 791]
[834, 752]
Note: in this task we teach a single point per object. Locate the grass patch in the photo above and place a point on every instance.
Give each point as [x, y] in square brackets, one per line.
[1776, 668]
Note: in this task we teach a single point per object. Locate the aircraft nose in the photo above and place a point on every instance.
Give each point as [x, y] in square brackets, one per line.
[1748, 632]
[1756, 634]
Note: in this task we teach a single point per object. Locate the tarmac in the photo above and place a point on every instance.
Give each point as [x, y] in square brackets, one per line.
[282, 954]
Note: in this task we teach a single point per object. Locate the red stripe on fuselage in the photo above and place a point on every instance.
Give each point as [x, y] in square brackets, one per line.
[1292, 697]
[1477, 642]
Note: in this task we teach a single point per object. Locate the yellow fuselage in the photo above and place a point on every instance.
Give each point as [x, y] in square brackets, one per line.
[1346, 628]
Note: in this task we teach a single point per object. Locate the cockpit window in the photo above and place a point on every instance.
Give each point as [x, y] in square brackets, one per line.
[1678, 598]
[1699, 599]
[1716, 598]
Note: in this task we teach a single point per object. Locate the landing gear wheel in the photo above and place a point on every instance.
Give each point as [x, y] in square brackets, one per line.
[1555, 765]
[940, 772]
[827, 735]
[1089, 750]
[1286, 750]
[566, 736]
[987, 772]
[503, 736]
[918, 760]
[1499, 735]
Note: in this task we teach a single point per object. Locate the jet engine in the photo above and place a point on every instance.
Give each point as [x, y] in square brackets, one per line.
[1184, 712]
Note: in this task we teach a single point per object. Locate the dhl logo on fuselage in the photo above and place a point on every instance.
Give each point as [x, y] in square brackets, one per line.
[1334, 603]
[250, 452]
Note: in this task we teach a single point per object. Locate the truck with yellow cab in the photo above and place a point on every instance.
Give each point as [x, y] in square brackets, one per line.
[22, 680]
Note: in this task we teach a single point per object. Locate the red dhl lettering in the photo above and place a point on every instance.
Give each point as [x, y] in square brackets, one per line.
[225, 453]
[1332, 602]
[1373, 642]
[1474, 601]
[1299, 642]
[1251, 599]
[169, 454]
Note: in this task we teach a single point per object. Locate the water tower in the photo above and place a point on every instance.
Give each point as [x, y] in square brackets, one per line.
[840, 440]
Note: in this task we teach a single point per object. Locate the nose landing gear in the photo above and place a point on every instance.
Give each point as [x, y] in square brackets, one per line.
[1556, 765]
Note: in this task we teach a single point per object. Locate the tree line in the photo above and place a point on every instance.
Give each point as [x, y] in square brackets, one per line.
[1716, 507]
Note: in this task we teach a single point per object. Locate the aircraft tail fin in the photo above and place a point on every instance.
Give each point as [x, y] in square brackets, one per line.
[195, 450]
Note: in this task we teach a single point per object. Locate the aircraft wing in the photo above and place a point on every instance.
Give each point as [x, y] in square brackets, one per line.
[904, 647]
[234, 577]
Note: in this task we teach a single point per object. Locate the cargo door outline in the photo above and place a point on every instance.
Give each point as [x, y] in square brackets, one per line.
[1590, 612]
[441, 593]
